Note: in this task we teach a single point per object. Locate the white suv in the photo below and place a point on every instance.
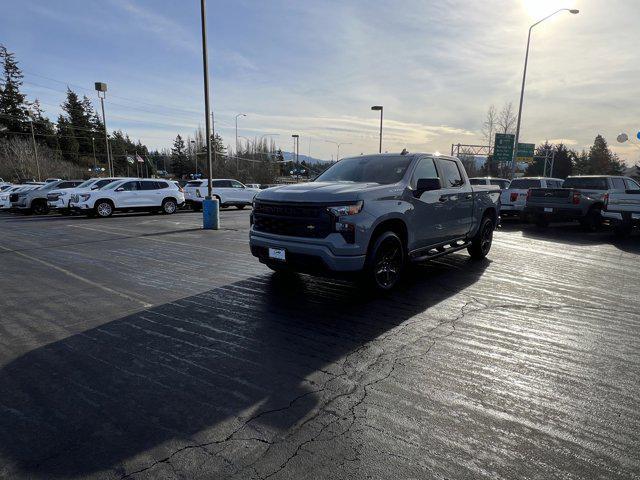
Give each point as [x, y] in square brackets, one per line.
[130, 195]
[59, 200]
[227, 191]
[5, 200]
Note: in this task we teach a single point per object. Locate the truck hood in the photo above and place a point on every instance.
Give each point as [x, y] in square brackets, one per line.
[318, 192]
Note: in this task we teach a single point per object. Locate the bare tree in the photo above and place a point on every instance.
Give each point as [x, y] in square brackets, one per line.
[489, 125]
[506, 120]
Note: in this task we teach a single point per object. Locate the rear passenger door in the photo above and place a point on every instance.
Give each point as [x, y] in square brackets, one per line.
[223, 189]
[457, 199]
[149, 195]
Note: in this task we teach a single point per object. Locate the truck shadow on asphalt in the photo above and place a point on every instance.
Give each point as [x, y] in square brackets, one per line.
[573, 234]
[92, 401]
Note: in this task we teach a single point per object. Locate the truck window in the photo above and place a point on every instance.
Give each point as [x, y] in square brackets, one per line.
[618, 184]
[499, 183]
[451, 174]
[477, 181]
[632, 184]
[426, 168]
[525, 183]
[383, 170]
[586, 183]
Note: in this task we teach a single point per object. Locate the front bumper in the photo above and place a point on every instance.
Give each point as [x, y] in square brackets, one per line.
[60, 204]
[80, 207]
[304, 255]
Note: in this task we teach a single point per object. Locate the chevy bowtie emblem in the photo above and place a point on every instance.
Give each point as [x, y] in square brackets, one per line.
[311, 227]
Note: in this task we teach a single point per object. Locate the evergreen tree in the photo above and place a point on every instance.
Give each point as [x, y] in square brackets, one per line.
[67, 141]
[602, 161]
[179, 159]
[80, 114]
[43, 127]
[563, 161]
[14, 112]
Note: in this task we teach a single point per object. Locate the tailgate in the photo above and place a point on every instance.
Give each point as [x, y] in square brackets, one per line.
[513, 197]
[542, 196]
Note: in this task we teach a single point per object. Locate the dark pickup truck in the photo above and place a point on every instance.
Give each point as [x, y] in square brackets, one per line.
[580, 198]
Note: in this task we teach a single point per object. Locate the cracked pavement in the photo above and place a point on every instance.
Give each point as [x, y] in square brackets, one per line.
[141, 347]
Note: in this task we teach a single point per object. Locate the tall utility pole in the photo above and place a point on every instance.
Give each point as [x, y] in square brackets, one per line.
[210, 210]
[101, 88]
[296, 149]
[524, 79]
[380, 109]
[35, 149]
[238, 115]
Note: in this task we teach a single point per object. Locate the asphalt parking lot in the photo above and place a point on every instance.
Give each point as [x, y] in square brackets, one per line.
[143, 347]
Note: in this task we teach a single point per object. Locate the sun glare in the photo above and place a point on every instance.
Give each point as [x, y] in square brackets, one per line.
[538, 9]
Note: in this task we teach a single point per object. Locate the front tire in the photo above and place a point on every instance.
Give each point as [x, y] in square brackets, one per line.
[385, 262]
[40, 208]
[241, 206]
[103, 209]
[482, 241]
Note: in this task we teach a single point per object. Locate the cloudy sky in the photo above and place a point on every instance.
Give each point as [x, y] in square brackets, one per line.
[316, 67]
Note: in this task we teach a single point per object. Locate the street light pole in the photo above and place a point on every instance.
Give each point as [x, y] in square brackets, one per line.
[524, 79]
[95, 162]
[296, 146]
[379, 108]
[210, 207]
[338, 145]
[101, 88]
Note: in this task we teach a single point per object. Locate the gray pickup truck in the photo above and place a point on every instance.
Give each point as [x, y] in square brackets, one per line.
[580, 198]
[371, 215]
[622, 210]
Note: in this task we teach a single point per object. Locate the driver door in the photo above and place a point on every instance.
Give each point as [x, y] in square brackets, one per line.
[428, 216]
[128, 196]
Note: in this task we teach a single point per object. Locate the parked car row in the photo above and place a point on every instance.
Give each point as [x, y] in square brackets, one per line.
[102, 197]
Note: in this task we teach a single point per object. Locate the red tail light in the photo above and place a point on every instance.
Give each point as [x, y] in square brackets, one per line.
[576, 198]
[514, 196]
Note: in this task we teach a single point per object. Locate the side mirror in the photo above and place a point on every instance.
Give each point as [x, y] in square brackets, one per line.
[120, 189]
[427, 185]
[94, 187]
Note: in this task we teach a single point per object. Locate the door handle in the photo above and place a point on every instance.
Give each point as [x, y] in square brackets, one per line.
[443, 198]
[469, 196]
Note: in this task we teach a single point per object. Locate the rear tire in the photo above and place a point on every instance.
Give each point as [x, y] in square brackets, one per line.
[592, 221]
[385, 262]
[541, 221]
[103, 209]
[40, 208]
[623, 230]
[482, 241]
[240, 207]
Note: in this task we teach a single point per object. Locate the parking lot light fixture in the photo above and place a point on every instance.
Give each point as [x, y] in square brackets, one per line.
[524, 79]
[101, 88]
[379, 108]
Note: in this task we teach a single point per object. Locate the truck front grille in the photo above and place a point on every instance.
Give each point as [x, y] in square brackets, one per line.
[292, 219]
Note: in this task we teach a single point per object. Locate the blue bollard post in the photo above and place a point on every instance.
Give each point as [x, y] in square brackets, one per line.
[210, 214]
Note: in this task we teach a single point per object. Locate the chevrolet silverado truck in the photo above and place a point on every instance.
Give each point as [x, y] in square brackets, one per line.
[580, 198]
[622, 210]
[371, 215]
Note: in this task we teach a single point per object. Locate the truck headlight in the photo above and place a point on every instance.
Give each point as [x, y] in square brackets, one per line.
[346, 210]
[85, 196]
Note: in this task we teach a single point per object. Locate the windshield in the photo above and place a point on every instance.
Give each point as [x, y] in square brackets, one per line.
[86, 183]
[588, 183]
[379, 169]
[525, 183]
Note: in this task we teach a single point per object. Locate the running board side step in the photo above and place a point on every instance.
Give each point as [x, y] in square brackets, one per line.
[435, 252]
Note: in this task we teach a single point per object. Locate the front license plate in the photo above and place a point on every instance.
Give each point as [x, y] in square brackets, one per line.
[548, 210]
[278, 254]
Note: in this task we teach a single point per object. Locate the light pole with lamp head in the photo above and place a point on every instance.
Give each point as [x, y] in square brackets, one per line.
[338, 145]
[101, 88]
[524, 79]
[380, 109]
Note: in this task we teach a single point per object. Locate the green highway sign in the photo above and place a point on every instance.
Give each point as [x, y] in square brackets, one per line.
[525, 152]
[503, 148]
